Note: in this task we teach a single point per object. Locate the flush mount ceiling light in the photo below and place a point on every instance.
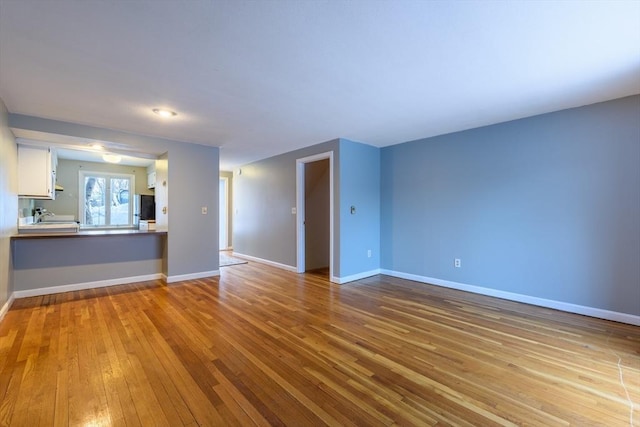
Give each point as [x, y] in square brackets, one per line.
[111, 158]
[164, 113]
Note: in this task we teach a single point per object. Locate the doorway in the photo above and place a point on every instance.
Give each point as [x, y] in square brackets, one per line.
[314, 208]
[316, 215]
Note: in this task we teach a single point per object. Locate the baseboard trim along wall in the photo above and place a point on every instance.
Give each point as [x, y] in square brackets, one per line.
[354, 277]
[334, 279]
[86, 285]
[541, 302]
[7, 305]
[191, 276]
[266, 261]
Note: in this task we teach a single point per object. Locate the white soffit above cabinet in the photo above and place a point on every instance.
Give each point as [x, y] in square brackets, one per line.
[262, 78]
[72, 149]
[96, 157]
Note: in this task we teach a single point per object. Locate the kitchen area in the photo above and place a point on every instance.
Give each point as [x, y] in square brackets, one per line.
[184, 245]
[85, 188]
[86, 219]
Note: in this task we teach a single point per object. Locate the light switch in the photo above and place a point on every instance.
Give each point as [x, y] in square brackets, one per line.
[204, 210]
[294, 211]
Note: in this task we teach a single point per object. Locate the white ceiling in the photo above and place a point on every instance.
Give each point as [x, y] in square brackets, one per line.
[258, 78]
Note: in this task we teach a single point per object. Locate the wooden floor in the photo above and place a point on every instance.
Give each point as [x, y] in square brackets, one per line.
[261, 346]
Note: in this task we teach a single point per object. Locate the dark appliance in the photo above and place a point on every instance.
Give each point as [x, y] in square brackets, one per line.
[144, 208]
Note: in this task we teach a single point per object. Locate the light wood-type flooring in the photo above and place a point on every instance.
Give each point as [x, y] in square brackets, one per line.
[262, 346]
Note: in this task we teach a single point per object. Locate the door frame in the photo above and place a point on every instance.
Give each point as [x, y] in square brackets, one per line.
[300, 209]
[226, 209]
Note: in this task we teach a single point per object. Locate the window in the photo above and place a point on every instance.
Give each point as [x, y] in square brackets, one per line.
[104, 199]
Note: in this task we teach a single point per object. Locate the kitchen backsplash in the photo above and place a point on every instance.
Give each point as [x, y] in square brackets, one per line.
[25, 207]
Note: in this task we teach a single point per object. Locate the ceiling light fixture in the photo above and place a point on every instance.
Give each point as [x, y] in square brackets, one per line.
[164, 113]
[111, 158]
[96, 146]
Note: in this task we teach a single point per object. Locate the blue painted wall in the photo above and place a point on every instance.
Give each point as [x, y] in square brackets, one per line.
[359, 187]
[547, 206]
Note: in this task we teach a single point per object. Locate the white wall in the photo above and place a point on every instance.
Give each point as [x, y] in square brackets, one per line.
[229, 176]
[8, 204]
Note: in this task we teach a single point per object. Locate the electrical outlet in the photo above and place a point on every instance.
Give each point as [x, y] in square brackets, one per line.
[457, 263]
[369, 253]
[204, 210]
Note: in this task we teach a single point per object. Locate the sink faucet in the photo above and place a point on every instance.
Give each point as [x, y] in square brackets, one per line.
[41, 213]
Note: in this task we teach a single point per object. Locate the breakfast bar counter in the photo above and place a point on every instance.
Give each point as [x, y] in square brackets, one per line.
[45, 263]
[87, 233]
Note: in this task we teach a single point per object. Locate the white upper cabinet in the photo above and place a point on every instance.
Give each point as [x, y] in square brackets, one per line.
[151, 180]
[36, 172]
[151, 176]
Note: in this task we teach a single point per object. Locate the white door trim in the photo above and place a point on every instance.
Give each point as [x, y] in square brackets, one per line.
[300, 209]
[225, 219]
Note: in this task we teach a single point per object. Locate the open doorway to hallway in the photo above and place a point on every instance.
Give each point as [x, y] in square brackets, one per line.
[314, 204]
[316, 216]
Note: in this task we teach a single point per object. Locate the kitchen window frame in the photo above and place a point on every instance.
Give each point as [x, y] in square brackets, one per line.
[82, 174]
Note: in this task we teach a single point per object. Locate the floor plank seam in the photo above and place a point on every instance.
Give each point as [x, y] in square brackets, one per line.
[621, 376]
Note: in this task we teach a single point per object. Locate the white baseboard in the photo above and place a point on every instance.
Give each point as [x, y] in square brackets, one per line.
[354, 277]
[511, 296]
[86, 285]
[7, 305]
[266, 261]
[191, 276]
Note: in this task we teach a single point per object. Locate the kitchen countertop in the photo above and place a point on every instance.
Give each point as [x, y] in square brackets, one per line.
[86, 233]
